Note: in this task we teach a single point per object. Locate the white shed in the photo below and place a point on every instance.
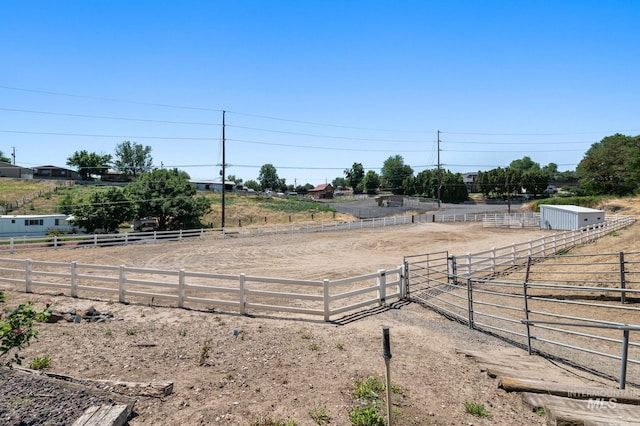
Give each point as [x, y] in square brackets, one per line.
[568, 218]
[18, 225]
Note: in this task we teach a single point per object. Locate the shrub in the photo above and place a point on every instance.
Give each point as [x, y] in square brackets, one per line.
[16, 329]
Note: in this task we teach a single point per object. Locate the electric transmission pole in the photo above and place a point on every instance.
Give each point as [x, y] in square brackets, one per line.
[439, 173]
[223, 171]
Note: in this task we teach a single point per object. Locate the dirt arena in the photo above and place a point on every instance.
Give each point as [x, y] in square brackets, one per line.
[283, 366]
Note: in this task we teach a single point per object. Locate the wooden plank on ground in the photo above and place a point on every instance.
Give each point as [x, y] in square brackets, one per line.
[104, 415]
[512, 384]
[578, 412]
[155, 389]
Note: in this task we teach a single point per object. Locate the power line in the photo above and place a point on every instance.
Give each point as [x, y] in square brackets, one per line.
[99, 98]
[319, 147]
[108, 117]
[107, 136]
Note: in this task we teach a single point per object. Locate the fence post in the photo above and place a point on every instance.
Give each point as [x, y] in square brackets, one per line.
[28, 268]
[326, 299]
[453, 270]
[126, 238]
[513, 254]
[74, 279]
[121, 285]
[402, 286]
[11, 246]
[243, 297]
[382, 286]
[623, 282]
[55, 241]
[95, 240]
[470, 302]
[181, 283]
[623, 359]
[468, 264]
[526, 303]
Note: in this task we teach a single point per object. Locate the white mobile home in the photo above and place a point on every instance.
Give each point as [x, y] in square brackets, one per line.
[18, 225]
[568, 218]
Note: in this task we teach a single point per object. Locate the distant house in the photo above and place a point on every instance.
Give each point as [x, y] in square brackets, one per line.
[321, 191]
[210, 185]
[19, 225]
[55, 172]
[115, 177]
[471, 181]
[12, 171]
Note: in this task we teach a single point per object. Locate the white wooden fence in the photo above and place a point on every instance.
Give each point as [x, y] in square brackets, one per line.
[242, 293]
[497, 260]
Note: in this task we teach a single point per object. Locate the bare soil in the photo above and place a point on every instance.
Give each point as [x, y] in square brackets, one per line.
[232, 369]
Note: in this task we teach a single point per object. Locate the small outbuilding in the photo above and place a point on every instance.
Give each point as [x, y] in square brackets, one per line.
[19, 225]
[568, 218]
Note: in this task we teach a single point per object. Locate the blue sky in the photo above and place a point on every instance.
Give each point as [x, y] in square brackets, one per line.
[315, 86]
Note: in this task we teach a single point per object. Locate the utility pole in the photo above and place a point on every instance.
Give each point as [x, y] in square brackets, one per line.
[223, 171]
[13, 154]
[439, 173]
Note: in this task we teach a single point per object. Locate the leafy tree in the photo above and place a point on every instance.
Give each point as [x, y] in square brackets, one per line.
[304, 189]
[394, 172]
[103, 210]
[252, 184]
[268, 178]
[535, 181]
[611, 166]
[89, 163]
[133, 158]
[234, 179]
[339, 181]
[524, 165]
[371, 182]
[169, 196]
[354, 177]
[453, 188]
[425, 184]
[4, 158]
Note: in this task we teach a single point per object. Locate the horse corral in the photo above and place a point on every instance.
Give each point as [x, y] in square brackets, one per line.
[281, 365]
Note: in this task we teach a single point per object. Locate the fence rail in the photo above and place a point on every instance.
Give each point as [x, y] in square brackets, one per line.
[243, 293]
[580, 308]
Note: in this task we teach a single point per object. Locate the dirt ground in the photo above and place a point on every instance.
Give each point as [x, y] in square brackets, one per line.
[232, 369]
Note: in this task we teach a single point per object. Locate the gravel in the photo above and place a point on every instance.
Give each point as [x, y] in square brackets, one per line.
[31, 399]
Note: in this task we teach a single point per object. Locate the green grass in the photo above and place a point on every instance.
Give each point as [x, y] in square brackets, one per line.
[40, 363]
[320, 415]
[476, 409]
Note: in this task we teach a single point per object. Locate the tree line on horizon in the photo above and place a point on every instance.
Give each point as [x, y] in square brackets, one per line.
[609, 167]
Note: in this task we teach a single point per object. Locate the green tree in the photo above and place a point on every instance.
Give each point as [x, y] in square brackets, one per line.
[611, 166]
[535, 182]
[103, 210]
[453, 188]
[524, 165]
[371, 182]
[170, 197]
[89, 164]
[268, 178]
[252, 184]
[339, 181]
[4, 158]
[234, 179]
[393, 173]
[133, 158]
[354, 177]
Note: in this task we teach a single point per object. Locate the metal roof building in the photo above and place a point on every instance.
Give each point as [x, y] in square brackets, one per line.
[568, 218]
